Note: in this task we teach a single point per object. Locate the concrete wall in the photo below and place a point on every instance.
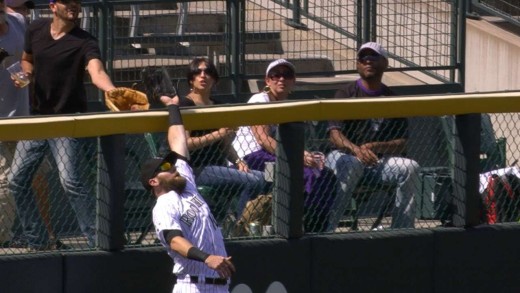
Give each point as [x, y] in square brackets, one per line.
[492, 64]
[482, 259]
[492, 58]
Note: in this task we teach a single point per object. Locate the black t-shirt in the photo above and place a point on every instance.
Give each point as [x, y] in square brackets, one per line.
[368, 130]
[212, 154]
[59, 68]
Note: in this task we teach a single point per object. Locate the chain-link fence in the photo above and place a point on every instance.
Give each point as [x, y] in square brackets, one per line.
[241, 38]
[411, 188]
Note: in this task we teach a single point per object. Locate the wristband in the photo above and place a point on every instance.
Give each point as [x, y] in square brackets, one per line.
[174, 117]
[196, 254]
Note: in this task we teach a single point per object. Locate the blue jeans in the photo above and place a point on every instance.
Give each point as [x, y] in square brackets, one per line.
[28, 156]
[400, 171]
[230, 180]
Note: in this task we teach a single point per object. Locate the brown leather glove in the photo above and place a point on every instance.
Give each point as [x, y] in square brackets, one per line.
[123, 99]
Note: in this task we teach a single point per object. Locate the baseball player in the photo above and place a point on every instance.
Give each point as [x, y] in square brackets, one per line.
[182, 219]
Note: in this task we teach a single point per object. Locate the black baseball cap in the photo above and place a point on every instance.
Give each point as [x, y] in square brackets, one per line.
[150, 168]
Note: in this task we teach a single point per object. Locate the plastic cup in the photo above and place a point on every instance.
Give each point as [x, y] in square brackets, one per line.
[267, 230]
[17, 73]
[255, 229]
[269, 171]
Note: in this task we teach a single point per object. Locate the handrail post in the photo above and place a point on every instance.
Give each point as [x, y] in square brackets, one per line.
[295, 22]
[234, 44]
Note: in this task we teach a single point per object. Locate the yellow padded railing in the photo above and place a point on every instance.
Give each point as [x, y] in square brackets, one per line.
[100, 124]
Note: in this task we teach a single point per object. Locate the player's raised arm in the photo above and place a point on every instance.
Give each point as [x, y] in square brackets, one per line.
[176, 132]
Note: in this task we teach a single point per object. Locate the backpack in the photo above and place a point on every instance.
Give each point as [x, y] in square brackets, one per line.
[500, 201]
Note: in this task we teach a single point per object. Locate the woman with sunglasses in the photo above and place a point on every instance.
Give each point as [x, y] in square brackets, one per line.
[211, 149]
[257, 145]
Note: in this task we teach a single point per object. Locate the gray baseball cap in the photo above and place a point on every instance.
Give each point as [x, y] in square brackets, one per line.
[278, 63]
[374, 47]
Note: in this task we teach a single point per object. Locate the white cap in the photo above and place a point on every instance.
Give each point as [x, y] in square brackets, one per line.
[374, 47]
[278, 63]
[18, 3]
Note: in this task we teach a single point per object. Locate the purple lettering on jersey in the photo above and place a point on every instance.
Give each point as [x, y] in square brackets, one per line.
[196, 201]
[191, 213]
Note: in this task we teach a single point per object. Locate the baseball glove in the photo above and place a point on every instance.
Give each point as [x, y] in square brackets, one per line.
[122, 98]
[156, 83]
[3, 54]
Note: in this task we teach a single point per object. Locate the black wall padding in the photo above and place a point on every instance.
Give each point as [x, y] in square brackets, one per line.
[483, 259]
[373, 262]
[129, 271]
[262, 262]
[31, 273]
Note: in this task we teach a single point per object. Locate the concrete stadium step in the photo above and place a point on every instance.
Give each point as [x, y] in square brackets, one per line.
[321, 65]
[172, 5]
[203, 33]
[165, 21]
[126, 70]
[255, 64]
[206, 43]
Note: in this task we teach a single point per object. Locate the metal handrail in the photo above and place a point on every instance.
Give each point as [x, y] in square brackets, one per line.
[493, 8]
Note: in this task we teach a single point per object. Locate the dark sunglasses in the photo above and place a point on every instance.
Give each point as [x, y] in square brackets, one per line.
[365, 58]
[207, 71]
[284, 74]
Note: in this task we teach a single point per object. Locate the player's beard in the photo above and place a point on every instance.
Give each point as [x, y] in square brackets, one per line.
[175, 183]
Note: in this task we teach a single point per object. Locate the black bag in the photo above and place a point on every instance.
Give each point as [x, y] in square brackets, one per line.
[501, 199]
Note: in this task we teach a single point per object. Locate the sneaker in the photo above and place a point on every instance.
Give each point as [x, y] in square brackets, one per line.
[378, 228]
[52, 245]
[61, 245]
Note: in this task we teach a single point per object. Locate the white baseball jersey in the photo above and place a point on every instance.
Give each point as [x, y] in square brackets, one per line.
[245, 141]
[189, 213]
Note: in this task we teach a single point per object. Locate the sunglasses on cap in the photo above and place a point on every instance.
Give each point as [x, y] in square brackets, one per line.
[276, 75]
[163, 167]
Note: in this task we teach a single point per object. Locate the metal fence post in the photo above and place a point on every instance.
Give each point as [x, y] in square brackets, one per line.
[111, 194]
[288, 195]
[466, 171]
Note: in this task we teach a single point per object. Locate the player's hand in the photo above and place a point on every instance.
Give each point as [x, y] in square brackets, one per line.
[222, 265]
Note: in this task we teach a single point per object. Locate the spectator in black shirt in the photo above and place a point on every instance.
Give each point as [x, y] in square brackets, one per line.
[372, 149]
